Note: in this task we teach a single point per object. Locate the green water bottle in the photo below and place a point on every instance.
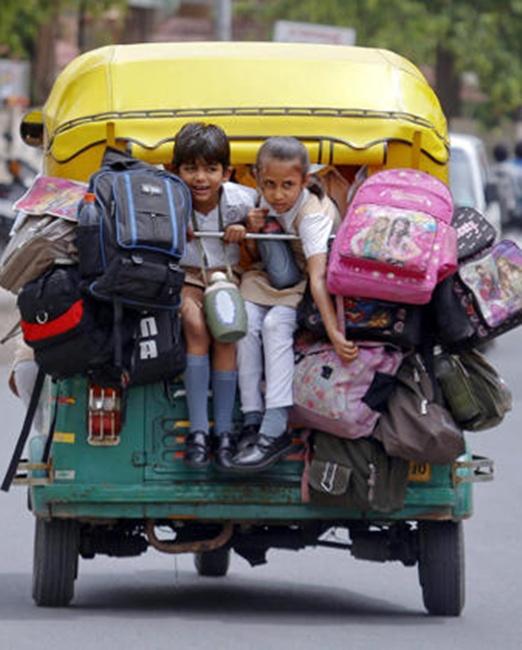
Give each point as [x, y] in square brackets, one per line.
[225, 311]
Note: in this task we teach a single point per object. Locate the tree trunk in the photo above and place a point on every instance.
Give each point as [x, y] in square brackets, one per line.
[43, 63]
[447, 82]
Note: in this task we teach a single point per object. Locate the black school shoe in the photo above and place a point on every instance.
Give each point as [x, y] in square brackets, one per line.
[248, 436]
[225, 447]
[197, 450]
[262, 454]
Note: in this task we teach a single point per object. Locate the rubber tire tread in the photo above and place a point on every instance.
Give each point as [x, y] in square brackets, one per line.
[55, 563]
[442, 567]
[213, 564]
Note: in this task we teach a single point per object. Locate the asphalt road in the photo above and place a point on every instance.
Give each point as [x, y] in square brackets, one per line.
[312, 599]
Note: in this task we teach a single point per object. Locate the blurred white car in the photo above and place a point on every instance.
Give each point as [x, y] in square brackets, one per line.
[471, 182]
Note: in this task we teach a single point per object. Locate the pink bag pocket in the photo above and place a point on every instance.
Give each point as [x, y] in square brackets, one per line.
[336, 396]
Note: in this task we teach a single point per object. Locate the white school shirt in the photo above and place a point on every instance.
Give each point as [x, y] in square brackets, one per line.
[236, 200]
[314, 229]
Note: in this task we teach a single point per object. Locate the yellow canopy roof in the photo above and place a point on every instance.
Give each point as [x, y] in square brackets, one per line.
[345, 102]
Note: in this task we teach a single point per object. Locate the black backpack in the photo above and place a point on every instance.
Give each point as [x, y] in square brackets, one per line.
[130, 245]
[69, 332]
[158, 351]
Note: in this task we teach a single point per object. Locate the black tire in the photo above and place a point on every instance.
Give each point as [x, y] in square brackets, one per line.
[441, 567]
[213, 564]
[55, 563]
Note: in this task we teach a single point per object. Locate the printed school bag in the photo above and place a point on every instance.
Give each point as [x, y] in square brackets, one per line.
[396, 241]
[130, 244]
[365, 319]
[474, 233]
[485, 300]
[342, 398]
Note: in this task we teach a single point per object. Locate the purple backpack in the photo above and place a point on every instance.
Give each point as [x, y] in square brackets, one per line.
[342, 398]
[396, 241]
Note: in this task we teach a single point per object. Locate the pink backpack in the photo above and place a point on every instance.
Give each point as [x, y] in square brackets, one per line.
[396, 241]
[343, 398]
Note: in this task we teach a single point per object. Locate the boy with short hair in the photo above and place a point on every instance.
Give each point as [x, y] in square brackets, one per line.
[202, 161]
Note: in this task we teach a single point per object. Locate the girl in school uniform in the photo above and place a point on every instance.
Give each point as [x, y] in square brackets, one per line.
[282, 169]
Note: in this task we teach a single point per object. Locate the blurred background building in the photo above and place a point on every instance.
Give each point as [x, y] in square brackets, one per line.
[470, 51]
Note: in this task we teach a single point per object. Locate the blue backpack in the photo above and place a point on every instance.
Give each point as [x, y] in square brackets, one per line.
[131, 238]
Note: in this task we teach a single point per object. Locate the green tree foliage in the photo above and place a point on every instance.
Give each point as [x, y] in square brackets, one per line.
[21, 21]
[454, 36]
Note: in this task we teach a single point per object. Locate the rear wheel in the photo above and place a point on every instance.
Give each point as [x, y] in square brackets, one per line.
[55, 563]
[441, 567]
[213, 563]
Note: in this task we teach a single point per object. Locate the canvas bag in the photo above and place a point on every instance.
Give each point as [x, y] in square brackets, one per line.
[396, 241]
[414, 426]
[485, 300]
[477, 397]
[342, 398]
[131, 254]
[36, 243]
[355, 474]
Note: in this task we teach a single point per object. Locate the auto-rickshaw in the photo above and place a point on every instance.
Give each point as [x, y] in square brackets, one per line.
[351, 107]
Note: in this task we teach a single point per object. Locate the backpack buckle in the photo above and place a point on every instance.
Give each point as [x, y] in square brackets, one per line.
[136, 259]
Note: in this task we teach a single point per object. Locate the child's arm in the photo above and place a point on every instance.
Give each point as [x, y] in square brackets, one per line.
[347, 350]
[255, 221]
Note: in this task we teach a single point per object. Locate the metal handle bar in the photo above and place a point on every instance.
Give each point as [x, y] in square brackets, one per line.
[251, 235]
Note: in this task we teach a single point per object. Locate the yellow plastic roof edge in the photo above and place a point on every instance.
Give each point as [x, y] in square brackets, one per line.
[106, 66]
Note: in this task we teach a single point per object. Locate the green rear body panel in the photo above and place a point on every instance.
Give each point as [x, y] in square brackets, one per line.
[144, 477]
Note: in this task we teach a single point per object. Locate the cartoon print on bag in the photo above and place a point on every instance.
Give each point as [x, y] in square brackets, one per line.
[399, 244]
[510, 281]
[496, 282]
[393, 236]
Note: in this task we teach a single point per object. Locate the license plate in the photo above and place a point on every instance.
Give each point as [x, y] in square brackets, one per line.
[419, 472]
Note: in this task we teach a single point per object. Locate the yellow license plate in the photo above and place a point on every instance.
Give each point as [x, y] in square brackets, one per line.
[419, 472]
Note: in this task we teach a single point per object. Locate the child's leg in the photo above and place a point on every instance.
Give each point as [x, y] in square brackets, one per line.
[250, 365]
[278, 342]
[224, 385]
[197, 373]
[273, 442]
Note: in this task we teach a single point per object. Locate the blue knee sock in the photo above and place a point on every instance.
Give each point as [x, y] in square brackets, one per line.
[275, 422]
[196, 379]
[224, 383]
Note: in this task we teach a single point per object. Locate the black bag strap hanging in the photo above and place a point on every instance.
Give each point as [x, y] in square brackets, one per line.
[24, 433]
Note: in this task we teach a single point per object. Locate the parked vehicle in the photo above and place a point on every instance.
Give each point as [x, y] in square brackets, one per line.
[351, 106]
[471, 180]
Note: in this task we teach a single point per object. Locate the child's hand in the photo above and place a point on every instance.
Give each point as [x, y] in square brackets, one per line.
[256, 219]
[235, 233]
[346, 350]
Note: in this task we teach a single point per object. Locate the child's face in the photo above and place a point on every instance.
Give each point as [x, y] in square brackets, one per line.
[204, 180]
[281, 182]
